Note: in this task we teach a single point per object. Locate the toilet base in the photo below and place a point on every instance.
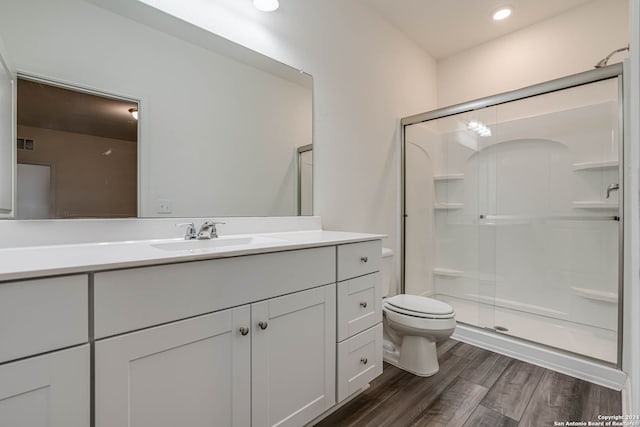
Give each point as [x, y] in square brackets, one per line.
[417, 355]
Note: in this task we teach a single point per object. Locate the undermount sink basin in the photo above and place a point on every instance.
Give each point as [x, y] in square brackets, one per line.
[212, 244]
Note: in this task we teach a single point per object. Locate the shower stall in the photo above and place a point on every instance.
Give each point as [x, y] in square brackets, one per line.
[512, 212]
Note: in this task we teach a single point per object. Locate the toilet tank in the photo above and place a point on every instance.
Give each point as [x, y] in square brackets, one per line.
[387, 271]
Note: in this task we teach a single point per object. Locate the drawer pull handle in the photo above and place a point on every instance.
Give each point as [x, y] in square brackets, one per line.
[244, 331]
[363, 304]
[364, 360]
[364, 259]
[263, 325]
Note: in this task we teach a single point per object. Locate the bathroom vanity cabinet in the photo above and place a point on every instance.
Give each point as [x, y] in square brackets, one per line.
[44, 355]
[273, 338]
[269, 360]
[359, 338]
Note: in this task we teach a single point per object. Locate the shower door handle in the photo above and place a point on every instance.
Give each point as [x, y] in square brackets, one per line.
[612, 187]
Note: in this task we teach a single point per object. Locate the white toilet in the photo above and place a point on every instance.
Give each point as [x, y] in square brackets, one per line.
[412, 326]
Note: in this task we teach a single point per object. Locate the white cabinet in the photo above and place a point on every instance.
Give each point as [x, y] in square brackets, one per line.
[194, 373]
[359, 300]
[268, 363]
[137, 298]
[41, 315]
[359, 361]
[46, 391]
[293, 357]
[44, 388]
[358, 259]
[359, 304]
[240, 341]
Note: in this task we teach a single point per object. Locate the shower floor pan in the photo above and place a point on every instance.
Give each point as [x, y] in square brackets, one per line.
[584, 340]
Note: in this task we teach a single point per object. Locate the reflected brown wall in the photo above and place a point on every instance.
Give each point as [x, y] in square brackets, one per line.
[88, 180]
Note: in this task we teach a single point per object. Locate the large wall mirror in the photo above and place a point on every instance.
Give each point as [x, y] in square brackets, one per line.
[218, 131]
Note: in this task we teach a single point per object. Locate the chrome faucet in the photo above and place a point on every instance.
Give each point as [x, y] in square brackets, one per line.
[190, 231]
[208, 230]
[612, 187]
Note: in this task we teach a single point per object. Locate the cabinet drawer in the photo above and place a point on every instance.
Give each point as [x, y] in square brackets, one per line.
[358, 259]
[359, 304]
[359, 361]
[132, 299]
[42, 315]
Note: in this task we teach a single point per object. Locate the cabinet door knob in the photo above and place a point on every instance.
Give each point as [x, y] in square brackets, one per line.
[244, 331]
[363, 304]
[263, 325]
[364, 360]
[364, 259]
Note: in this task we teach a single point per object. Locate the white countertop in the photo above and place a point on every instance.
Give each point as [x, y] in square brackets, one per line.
[40, 261]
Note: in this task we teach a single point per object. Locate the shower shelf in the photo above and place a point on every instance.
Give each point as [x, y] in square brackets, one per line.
[447, 272]
[450, 177]
[592, 294]
[598, 165]
[594, 205]
[447, 206]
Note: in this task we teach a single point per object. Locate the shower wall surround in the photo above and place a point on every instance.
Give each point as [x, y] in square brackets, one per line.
[513, 216]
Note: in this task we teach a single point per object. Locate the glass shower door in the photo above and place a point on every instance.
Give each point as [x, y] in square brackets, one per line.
[513, 216]
[557, 219]
[448, 254]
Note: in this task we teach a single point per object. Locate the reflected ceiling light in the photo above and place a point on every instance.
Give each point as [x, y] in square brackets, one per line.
[479, 128]
[134, 112]
[266, 5]
[502, 13]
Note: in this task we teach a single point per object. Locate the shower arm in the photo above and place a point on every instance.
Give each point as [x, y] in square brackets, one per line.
[603, 62]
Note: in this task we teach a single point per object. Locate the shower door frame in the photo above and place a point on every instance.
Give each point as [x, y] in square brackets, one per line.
[591, 76]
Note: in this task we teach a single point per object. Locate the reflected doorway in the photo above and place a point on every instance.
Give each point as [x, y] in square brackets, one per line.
[33, 192]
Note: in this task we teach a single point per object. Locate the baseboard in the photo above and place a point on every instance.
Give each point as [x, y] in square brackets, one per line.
[560, 362]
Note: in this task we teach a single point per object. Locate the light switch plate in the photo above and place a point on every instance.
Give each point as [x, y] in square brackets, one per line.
[163, 206]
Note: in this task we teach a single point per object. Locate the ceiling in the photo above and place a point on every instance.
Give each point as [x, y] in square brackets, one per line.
[52, 107]
[446, 27]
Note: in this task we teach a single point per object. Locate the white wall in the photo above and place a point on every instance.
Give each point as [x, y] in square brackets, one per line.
[631, 339]
[218, 137]
[7, 136]
[566, 44]
[366, 76]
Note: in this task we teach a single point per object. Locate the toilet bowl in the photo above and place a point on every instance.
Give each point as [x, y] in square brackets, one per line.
[412, 326]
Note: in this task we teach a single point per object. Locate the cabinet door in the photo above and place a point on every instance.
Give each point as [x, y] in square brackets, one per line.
[46, 391]
[190, 373]
[293, 357]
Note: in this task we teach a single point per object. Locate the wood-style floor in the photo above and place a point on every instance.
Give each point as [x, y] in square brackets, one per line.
[475, 388]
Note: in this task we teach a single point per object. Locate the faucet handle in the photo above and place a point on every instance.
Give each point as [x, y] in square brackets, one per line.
[212, 223]
[190, 232]
[208, 230]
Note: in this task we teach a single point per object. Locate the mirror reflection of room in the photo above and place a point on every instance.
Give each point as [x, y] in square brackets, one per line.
[219, 125]
[77, 153]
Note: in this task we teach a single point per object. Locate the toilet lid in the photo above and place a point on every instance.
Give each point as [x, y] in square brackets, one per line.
[419, 305]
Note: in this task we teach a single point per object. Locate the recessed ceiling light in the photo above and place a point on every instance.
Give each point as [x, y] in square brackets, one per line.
[266, 5]
[134, 112]
[501, 13]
